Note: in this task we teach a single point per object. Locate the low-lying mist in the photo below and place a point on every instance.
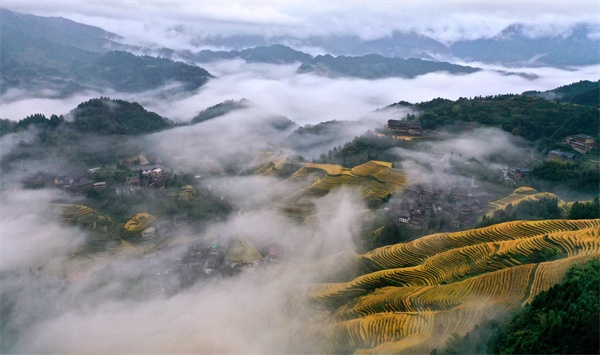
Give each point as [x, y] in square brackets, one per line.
[304, 98]
[57, 300]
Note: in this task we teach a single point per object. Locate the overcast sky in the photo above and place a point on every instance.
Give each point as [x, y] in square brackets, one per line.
[179, 24]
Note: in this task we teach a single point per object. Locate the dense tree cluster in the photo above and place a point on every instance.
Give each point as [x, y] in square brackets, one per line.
[584, 92]
[573, 175]
[545, 208]
[108, 116]
[531, 117]
[585, 210]
[563, 320]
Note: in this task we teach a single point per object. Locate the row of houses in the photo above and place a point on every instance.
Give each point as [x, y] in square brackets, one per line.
[557, 154]
[412, 128]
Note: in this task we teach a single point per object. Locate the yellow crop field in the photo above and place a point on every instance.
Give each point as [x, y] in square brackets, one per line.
[519, 195]
[328, 168]
[412, 297]
[185, 193]
[371, 180]
[139, 222]
[85, 216]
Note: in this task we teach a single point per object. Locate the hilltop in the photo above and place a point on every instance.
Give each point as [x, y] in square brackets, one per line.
[584, 92]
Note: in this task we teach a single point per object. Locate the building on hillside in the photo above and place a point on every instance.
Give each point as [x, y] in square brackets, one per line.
[426, 194]
[398, 126]
[100, 186]
[560, 155]
[403, 216]
[93, 171]
[581, 142]
[449, 212]
[469, 207]
[82, 185]
[63, 182]
[521, 173]
[412, 128]
[415, 129]
[418, 221]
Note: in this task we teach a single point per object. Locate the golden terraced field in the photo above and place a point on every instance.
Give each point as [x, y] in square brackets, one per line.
[371, 180]
[519, 195]
[85, 216]
[409, 298]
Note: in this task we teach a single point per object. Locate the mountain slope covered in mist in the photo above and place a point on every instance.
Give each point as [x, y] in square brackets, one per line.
[274, 54]
[515, 46]
[530, 117]
[584, 92]
[67, 57]
[413, 296]
[375, 66]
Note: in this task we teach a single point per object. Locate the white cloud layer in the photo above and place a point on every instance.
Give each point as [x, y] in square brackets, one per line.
[183, 24]
[308, 98]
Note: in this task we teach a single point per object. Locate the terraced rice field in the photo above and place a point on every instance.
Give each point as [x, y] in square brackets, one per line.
[414, 295]
[85, 216]
[185, 193]
[519, 195]
[139, 222]
[371, 180]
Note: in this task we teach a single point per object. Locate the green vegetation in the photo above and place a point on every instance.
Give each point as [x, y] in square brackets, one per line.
[585, 210]
[563, 320]
[220, 110]
[575, 175]
[530, 117]
[124, 71]
[584, 92]
[108, 116]
[544, 208]
[363, 149]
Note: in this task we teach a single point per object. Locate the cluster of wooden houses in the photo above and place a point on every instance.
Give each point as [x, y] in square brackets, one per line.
[581, 142]
[459, 204]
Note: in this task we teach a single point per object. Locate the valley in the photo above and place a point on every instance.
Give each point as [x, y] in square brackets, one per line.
[206, 185]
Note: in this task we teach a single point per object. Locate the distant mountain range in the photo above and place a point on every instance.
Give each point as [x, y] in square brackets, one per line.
[66, 57]
[512, 47]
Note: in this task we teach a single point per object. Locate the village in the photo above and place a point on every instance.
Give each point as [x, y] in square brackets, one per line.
[179, 255]
[459, 201]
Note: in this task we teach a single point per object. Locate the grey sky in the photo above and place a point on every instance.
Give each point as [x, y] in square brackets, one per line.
[179, 24]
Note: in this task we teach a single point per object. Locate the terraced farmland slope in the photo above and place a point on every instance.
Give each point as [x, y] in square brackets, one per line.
[372, 180]
[411, 297]
[85, 216]
[519, 195]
